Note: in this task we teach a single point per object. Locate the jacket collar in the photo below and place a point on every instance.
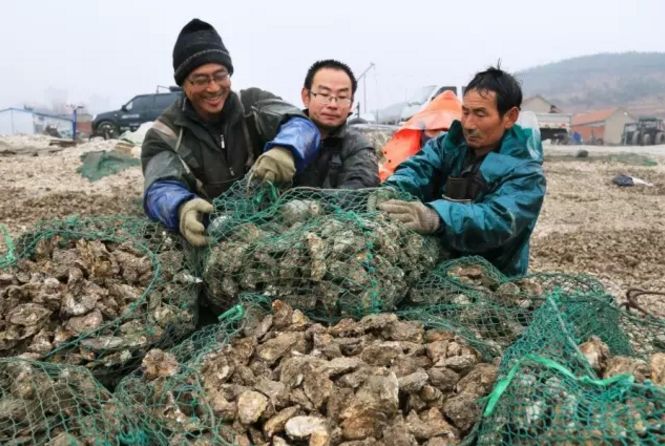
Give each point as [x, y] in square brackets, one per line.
[185, 114]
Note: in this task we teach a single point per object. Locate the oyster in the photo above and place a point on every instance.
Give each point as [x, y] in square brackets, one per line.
[320, 258]
[96, 302]
[276, 384]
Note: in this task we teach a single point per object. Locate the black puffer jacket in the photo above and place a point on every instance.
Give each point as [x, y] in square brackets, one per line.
[346, 160]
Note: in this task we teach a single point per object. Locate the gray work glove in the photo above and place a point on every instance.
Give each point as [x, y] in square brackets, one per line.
[379, 196]
[190, 215]
[414, 214]
[276, 165]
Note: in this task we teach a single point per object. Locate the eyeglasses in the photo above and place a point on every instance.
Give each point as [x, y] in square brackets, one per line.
[203, 80]
[327, 98]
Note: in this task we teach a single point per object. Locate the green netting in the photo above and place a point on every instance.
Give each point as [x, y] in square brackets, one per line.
[326, 252]
[549, 393]
[60, 405]
[169, 394]
[98, 292]
[8, 257]
[491, 311]
[99, 164]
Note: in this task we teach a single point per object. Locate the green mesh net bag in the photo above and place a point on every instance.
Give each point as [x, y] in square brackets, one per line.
[169, 392]
[476, 273]
[98, 292]
[327, 252]
[585, 372]
[60, 405]
[469, 295]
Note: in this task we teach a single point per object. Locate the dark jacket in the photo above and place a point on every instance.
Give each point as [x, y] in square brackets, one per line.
[496, 224]
[346, 160]
[182, 156]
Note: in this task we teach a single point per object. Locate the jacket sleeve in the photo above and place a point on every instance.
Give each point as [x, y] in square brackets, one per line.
[301, 136]
[159, 159]
[162, 200]
[360, 167]
[167, 183]
[501, 215]
[272, 120]
[416, 173]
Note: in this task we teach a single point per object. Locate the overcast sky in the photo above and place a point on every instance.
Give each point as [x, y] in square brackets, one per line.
[102, 53]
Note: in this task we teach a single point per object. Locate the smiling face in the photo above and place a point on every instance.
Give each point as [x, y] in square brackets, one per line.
[482, 124]
[330, 98]
[207, 88]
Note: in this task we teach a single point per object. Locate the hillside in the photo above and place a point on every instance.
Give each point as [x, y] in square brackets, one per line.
[632, 80]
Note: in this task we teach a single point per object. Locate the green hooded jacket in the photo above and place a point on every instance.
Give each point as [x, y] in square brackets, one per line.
[498, 223]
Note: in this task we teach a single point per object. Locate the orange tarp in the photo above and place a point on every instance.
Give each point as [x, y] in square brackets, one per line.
[437, 116]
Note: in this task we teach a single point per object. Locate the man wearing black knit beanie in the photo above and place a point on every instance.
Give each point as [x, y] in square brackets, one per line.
[213, 136]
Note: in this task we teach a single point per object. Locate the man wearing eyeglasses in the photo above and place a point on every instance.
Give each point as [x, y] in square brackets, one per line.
[346, 159]
[213, 136]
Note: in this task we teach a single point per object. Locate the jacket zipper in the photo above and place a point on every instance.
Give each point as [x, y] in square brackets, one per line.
[223, 145]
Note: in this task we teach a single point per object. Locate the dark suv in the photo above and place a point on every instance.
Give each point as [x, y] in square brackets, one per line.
[142, 108]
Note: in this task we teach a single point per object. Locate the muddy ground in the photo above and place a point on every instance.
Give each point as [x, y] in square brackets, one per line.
[587, 225]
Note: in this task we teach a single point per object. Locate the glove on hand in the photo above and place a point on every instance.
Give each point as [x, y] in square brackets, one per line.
[190, 216]
[414, 214]
[276, 166]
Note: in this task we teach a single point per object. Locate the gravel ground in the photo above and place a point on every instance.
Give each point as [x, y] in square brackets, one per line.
[590, 225]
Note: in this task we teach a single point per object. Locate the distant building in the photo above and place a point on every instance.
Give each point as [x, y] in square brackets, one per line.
[539, 104]
[15, 121]
[84, 124]
[602, 126]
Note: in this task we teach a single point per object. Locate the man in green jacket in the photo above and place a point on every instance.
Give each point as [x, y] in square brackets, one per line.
[481, 185]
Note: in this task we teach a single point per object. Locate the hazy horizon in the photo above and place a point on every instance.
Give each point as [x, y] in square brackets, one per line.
[102, 54]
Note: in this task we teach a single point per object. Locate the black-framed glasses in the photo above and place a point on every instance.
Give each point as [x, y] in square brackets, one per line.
[327, 98]
[203, 80]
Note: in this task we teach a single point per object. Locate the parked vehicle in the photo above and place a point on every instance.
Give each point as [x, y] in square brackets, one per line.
[140, 109]
[424, 96]
[648, 130]
[555, 127]
[400, 112]
[390, 115]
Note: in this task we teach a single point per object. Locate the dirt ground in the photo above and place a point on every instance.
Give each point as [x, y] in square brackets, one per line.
[38, 182]
[587, 225]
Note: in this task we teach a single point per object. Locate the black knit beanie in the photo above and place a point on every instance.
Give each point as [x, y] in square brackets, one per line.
[198, 43]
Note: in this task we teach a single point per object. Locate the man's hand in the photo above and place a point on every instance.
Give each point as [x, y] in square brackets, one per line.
[379, 196]
[414, 214]
[190, 216]
[276, 165]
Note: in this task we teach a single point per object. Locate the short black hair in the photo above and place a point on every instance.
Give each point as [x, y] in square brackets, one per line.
[507, 88]
[335, 65]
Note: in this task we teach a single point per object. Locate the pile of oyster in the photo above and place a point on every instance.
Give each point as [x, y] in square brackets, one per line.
[548, 407]
[287, 379]
[494, 309]
[327, 263]
[93, 302]
[605, 365]
[55, 405]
